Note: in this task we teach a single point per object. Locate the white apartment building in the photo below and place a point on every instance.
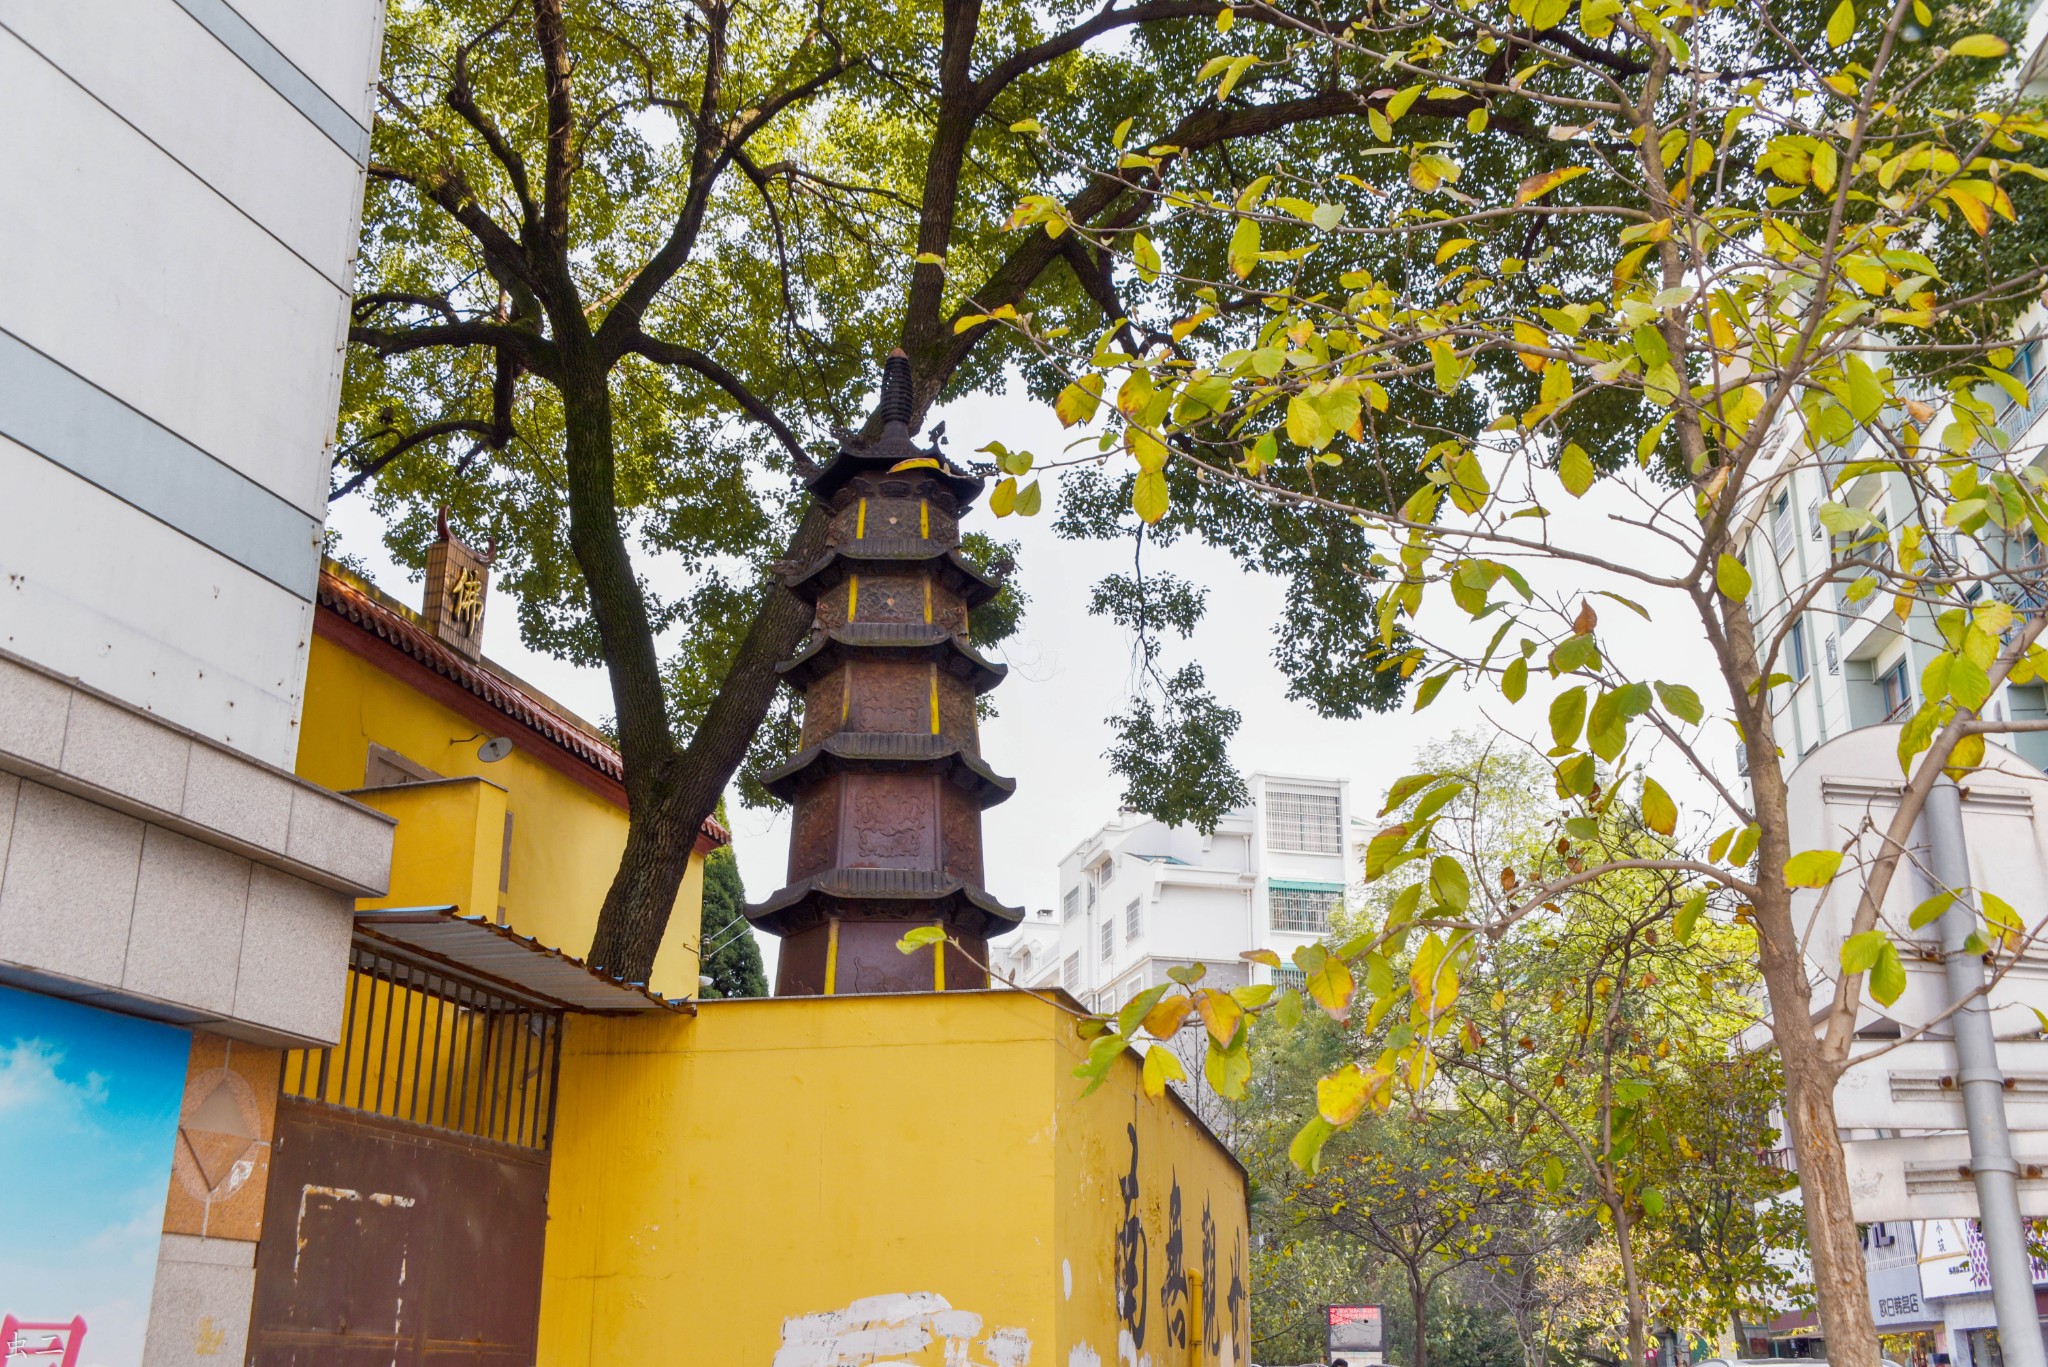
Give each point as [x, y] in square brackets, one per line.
[183, 183]
[1857, 664]
[1139, 897]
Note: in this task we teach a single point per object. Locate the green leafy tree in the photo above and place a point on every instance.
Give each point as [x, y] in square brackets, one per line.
[1605, 1055]
[1681, 249]
[1414, 1194]
[1609, 1048]
[626, 266]
[731, 958]
[1297, 1267]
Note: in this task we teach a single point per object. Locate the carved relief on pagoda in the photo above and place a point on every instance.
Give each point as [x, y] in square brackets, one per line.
[814, 830]
[892, 821]
[957, 719]
[948, 610]
[960, 834]
[825, 703]
[893, 695]
[832, 605]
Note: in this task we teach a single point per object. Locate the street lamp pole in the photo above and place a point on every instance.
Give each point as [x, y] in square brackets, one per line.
[1992, 1165]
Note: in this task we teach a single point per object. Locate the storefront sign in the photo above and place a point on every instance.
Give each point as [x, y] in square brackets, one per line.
[1356, 1329]
[1893, 1274]
[88, 1120]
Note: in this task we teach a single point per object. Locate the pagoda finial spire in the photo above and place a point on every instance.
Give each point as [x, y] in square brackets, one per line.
[897, 404]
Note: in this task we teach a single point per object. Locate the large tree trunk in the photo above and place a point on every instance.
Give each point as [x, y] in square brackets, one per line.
[1418, 1300]
[1840, 1288]
[669, 807]
[670, 790]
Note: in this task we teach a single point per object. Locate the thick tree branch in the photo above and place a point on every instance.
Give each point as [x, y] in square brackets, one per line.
[553, 38]
[1108, 204]
[1109, 19]
[958, 114]
[535, 352]
[712, 153]
[674, 353]
[462, 100]
[370, 469]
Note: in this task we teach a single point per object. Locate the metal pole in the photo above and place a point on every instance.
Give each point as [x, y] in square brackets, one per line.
[1983, 1087]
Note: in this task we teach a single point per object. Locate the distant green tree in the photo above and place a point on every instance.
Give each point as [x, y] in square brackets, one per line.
[731, 958]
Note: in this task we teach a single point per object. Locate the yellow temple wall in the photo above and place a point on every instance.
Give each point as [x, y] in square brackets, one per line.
[566, 839]
[808, 1182]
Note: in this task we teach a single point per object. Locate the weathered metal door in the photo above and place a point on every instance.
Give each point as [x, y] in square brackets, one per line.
[408, 1182]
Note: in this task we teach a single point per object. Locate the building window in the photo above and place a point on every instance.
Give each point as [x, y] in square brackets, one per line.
[1834, 655]
[1108, 937]
[1284, 978]
[1070, 973]
[1134, 918]
[1072, 903]
[1782, 529]
[1796, 662]
[1302, 906]
[387, 768]
[1304, 822]
[1813, 527]
[1896, 693]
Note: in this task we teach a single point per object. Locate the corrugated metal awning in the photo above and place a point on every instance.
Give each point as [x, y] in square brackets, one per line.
[502, 955]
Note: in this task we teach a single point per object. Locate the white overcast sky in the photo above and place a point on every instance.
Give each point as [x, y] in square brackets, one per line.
[1069, 670]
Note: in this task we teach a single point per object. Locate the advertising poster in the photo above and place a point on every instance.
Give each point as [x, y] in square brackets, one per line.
[1953, 1261]
[88, 1124]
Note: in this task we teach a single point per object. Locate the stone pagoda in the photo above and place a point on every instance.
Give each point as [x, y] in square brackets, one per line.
[889, 785]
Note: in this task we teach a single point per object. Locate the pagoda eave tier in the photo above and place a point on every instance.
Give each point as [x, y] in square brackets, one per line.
[829, 650]
[913, 896]
[889, 752]
[880, 555]
[890, 458]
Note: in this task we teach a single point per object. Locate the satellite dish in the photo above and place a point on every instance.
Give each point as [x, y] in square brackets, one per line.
[494, 749]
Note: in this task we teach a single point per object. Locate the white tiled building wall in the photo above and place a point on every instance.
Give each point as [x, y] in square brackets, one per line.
[183, 182]
[186, 179]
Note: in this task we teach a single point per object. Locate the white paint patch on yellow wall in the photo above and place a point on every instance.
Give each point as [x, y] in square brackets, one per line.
[901, 1327]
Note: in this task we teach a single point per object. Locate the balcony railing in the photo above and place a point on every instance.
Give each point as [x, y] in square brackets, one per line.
[1876, 559]
[2014, 417]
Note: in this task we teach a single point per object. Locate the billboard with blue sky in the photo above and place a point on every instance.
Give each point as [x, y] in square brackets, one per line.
[88, 1123]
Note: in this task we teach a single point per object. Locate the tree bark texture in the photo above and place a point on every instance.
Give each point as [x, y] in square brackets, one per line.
[1631, 1280]
[1840, 1289]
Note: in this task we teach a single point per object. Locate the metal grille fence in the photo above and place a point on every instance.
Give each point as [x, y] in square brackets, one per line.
[429, 1046]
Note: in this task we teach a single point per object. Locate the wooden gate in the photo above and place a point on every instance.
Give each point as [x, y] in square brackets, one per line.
[408, 1178]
